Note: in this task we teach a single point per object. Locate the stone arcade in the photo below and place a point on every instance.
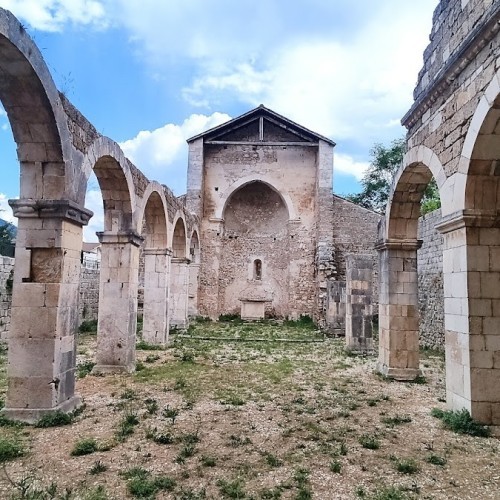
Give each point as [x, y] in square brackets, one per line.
[202, 256]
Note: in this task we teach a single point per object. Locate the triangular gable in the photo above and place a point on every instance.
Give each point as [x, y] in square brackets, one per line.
[261, 125]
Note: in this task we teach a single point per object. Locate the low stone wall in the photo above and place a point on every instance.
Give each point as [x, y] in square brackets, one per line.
[6, 274]
[430, 282]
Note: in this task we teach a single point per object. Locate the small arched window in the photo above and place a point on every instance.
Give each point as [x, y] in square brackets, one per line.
[257, 269]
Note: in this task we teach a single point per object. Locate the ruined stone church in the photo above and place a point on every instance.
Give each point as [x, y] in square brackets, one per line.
[272, 233]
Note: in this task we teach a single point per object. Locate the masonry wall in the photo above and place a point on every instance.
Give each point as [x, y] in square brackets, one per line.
[287, 250]
[89, 290]
[430, 282]
[6, 275]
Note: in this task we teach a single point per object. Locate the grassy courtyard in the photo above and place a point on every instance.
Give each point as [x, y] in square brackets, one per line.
[240, 410]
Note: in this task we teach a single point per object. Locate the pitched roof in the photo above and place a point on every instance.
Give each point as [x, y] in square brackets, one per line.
[274, 119]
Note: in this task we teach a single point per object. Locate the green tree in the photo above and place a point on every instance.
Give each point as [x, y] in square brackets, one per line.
[6, 238]
[377, 180]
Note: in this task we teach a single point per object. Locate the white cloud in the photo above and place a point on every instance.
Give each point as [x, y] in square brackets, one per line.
[52, 15]
[162, 153]
[5, 210]
[347, 165]
[93, 201]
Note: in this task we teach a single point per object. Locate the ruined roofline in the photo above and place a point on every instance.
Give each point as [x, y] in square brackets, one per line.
[261, 110]
[357, 205]
[478, 38]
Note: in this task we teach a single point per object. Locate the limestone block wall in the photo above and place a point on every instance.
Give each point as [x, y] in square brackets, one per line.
[430, 282]
[89, 290]
[6, 274]
[458, 66]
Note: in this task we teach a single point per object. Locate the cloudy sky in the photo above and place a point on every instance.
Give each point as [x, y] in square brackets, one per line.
[152, 73]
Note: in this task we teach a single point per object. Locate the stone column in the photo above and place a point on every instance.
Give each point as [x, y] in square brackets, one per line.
[117, 323]
[156, 280]
[398, 309]
[336, 307]
[42, 349]
[358, 323]
[194, 270]
[179, 285]
[471, 267]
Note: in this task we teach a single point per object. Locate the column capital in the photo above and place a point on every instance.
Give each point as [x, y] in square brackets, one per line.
[120, 237]
[51, 209]
[468, 218]
[398, 244]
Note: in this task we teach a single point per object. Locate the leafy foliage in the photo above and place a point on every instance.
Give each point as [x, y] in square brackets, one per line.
[461, 422]
[377, 180]
[6, 238]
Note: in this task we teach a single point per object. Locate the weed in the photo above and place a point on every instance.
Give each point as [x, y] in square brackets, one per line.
[98, 467]
[97, 493]
[151, 358]
[369, 441]
[406, 465]
[335, 466]
[236, 441]
[55, 419]
[89, 326]
[273, 460]
[271, 494]
[233, 400]
[208, 461]
[11, 448]
[231, 489]
[171, 413]
[301, 476]
[163, 438]
[142, 485]
[461, 422]
[396, 420]
[128, 394]
[83, 369]
[126, 426]
[145, 346]
[436, 460]
[187, 451]
[190, 494]
[84, 446]
[151, 406]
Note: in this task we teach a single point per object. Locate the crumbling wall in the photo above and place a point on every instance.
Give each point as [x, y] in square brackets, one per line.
[6, 277]
[430, 282]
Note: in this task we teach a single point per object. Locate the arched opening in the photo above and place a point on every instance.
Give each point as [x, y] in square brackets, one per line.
[155, 271]
[194, 272]
[256, 230]
[399, 326]
[179, 277]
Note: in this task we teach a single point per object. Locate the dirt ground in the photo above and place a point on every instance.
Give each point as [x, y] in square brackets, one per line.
[245, 414]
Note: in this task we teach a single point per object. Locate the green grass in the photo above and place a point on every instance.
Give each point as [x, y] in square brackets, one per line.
[461, 422]
[84, 446]
[369, 442]
[55, 419]
[11, 448]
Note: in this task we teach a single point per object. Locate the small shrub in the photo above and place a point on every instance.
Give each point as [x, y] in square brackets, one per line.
[406, 465]
[461, 422]
[436, 460]
[208, 461]
[171, 413]
[10, 448]
[232, 318]
[151, 358]
[396, 420]
[98, 467]
[128, 394]
[163, 438]
[369, 442]
[231, 489]
[83, 369]
[55, 419]
[84, 446]
[89, 326]
[142, 485]
[126, 426]
[151, 406]
[335, 466]
[273, 460]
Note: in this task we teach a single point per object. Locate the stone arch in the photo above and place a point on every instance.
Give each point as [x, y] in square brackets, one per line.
[419, 165]
[221, 208]
[398, 245]
[179, 242]
[106, 159]
[36, 115]
[156, 265]
[256, 208]
[194, 247]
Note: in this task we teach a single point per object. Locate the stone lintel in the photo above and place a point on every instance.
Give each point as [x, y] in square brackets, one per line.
[468, 218]
[158, 251]
[401, 374]
[397, 244]
[180, 260]
[32, 415]
[51, 209]
[216, 220]
[120, 237]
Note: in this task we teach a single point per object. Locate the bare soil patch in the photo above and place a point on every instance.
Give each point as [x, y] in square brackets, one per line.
[254, 417]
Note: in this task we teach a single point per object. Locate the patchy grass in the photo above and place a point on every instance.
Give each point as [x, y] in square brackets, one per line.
[277, 411]
[461, 422]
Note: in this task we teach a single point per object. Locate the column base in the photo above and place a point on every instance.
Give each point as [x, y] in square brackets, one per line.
[33, 415]
[112, 369]
[402, 374]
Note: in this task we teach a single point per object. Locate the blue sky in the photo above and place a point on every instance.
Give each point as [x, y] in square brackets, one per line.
[151, 73]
